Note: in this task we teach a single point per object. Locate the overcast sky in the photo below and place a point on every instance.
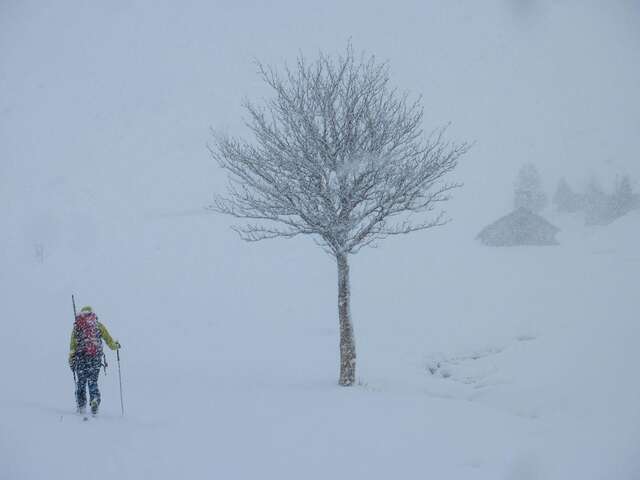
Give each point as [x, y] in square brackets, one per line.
[109, 104]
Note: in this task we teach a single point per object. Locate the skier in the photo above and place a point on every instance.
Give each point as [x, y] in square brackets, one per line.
[85, 356]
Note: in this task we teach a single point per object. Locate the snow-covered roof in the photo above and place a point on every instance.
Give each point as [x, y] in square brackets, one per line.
[520, 227]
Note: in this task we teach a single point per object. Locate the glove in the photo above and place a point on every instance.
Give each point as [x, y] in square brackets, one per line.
[72, 361]
[117, 345]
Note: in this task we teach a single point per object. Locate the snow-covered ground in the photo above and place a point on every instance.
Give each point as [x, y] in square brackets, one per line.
[504, 363]
[473, 362]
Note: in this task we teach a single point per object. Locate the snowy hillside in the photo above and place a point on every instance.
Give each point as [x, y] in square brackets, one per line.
[473, 362]
[531, 375]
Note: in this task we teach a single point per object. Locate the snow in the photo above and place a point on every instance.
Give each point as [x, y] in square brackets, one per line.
[473, 362]
[536, 373]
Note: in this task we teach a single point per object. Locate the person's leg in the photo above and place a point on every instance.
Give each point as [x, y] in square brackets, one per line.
[94, 391]
[81, 385]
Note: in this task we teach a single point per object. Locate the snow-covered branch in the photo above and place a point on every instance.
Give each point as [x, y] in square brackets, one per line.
[338, 154]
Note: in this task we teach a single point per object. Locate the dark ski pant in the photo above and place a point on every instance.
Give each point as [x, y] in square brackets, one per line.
[87, 371]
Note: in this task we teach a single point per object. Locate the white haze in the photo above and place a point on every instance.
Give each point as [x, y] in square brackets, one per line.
[105, 113]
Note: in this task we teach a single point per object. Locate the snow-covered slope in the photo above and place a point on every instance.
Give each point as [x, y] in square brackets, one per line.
[507, 363]
[474, 363]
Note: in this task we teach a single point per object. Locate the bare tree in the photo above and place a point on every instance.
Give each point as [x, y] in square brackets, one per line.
[340, 155]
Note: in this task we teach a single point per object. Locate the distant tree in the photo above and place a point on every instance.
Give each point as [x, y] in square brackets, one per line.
[340, 155]
[623, 199]
[39, 252]
[597, 205]
[565, 199]
[528, 190]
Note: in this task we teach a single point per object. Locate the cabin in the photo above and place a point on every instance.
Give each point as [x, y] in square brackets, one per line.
[520, 227]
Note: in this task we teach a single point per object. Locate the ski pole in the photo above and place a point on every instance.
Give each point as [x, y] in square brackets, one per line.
[120, 380]
[75, 381]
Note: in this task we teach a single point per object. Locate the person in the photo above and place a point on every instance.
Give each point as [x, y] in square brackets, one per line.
[85, 357]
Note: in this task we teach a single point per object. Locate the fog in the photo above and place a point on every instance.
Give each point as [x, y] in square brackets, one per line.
[114, 102]
[493, 362]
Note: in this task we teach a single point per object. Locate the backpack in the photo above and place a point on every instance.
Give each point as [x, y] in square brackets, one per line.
[88, 337]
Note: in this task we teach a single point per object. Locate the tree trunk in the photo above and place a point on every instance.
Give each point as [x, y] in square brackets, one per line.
[347, 342]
